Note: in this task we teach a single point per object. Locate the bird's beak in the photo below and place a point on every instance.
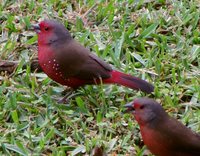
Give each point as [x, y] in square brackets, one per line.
[36, 28]
[129, 107]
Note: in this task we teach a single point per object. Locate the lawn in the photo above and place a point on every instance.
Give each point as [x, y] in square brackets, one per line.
[158, 41]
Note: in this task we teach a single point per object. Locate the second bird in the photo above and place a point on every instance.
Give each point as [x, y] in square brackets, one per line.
[69, 63]
[162, 134]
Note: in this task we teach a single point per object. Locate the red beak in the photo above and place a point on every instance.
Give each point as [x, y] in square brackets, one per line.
[130, 107]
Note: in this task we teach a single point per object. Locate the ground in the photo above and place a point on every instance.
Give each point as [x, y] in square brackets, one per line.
[158, 41]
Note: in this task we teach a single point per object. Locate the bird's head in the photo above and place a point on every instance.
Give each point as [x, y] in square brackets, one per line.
[50, 31]
[145, 110]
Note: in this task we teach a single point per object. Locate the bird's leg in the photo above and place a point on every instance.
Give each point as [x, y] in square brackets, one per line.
[67, 95]
[98, 80]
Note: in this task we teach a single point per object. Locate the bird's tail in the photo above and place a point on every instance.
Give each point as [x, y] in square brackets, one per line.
[129, 81]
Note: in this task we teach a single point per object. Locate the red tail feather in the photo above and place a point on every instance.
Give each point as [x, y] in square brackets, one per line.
[129, 81]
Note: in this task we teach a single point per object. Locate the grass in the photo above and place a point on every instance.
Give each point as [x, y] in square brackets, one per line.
[156, 40]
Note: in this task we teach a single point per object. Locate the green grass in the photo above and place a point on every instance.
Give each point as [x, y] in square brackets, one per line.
[156, 40]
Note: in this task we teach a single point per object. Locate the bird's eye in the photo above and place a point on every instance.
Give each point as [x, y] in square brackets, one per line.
[141, 107]
[46, 28]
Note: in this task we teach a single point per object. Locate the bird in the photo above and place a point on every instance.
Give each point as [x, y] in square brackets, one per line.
[162, 134]
[98, 151]
[69, 63]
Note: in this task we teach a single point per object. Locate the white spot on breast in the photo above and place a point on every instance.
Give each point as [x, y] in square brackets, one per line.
[49, 61]
[54, 60]
[66, 79]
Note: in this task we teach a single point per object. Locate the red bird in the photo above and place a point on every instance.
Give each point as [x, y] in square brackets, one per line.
[162, 134]
[69, 63]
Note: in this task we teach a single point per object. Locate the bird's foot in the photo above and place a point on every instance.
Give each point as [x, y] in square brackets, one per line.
[67, 96]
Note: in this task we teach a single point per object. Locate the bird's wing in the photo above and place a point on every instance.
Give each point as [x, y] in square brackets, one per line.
[180, 137]
[94, 67]
[77, 61]
[100, 62]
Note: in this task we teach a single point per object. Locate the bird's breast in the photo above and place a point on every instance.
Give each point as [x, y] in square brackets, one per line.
[154, 141]
[51, 67]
